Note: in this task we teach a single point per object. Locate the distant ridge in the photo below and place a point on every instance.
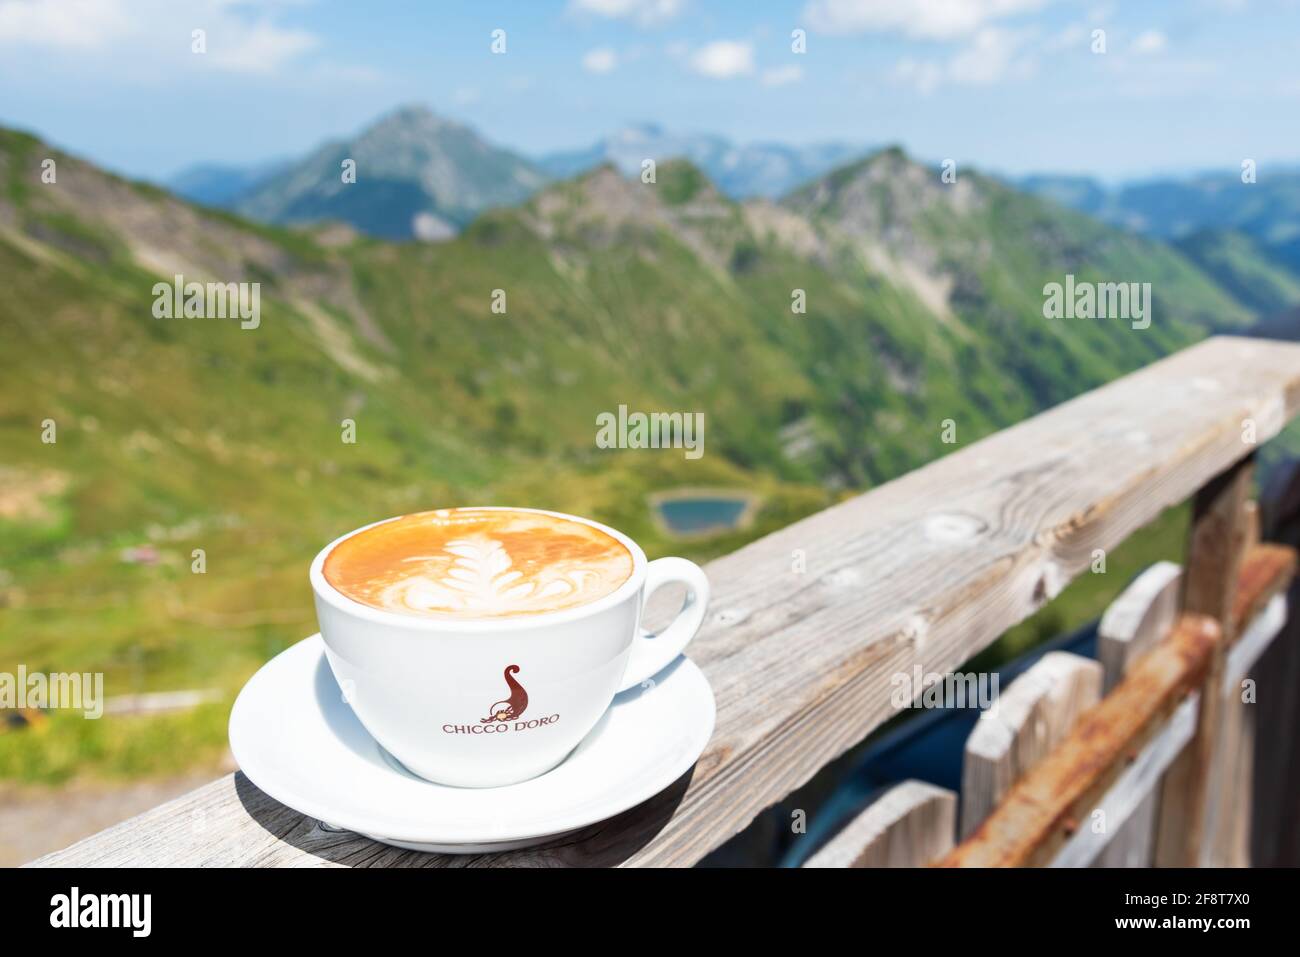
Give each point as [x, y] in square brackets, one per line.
[755, 169]
[1267, 210]
[214, 184]
[418, 176]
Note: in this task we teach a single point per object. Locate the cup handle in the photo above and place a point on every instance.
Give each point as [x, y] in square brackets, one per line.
[652, 653]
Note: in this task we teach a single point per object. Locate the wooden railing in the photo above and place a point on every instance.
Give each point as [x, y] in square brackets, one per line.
[924, 571]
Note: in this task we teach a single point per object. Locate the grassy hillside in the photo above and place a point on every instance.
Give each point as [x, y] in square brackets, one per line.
[923, 304]
[1244, 235]
[1246, 268]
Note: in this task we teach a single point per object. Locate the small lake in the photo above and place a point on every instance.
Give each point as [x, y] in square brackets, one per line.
[703, 513]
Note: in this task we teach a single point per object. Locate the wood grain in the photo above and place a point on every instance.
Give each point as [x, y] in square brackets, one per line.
[1143, 614]
[1029, 720]
[1228, 813]
[926, 570]
[910, 825]
[1217, 541]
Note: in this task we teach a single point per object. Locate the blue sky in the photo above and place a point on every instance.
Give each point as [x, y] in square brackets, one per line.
[1008, 85]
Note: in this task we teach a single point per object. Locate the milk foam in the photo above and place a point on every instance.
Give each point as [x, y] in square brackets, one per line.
[478, 563]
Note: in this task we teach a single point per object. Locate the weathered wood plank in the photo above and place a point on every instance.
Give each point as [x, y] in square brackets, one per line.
[925, 570]
[910, 825]
[1028, 721]
[1216, 544]
[1049, 805]
[1143, 614]
[1231, 824]
[231, 823]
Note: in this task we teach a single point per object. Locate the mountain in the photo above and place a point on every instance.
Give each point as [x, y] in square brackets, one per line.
[978, 255]
[1256, 274]
[1212, 216]
[217, 185]
[417, 176]
[1083, 193]
[1268, 209]
[423, 177]
[755, 169]
[379, 380]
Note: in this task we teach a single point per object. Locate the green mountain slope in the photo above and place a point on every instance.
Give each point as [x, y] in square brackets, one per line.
[1244, 267]
[923, 304]
[1267, 211]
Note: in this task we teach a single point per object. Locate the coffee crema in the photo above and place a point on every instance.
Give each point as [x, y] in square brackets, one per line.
[460, 563]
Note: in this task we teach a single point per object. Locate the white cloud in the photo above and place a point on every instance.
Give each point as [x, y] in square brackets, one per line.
[156, 32]
[782, 75]
[921, 19]
[724, 59]
[644, 13]
[61, 24]
[1152, 41]
[600, 60]
[259, 48]
[986, 59]
[991, 55]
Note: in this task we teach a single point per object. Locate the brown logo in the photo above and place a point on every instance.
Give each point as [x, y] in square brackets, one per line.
[514, 706]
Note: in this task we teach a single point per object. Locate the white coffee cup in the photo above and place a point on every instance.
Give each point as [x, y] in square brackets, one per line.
[428, 689]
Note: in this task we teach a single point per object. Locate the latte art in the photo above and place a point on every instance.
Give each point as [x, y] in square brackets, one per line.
[478, 563]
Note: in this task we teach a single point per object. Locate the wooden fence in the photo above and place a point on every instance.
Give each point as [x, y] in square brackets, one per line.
[1137, 759]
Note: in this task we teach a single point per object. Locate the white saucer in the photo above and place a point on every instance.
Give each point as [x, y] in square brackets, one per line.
[297, 739]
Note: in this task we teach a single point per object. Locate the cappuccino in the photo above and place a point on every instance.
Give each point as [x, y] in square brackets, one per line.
[467, 563]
